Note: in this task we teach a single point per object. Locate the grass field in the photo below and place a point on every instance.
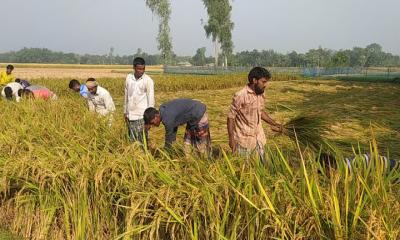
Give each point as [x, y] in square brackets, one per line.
[64, 174]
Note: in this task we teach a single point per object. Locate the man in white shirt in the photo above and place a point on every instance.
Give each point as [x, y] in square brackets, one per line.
[139, 95]
[99, 99]
[12, 90]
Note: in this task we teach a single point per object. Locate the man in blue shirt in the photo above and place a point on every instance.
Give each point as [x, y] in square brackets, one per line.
[178, 112]
[76, 86]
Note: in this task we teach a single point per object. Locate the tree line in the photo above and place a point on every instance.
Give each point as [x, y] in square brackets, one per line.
[371, 55]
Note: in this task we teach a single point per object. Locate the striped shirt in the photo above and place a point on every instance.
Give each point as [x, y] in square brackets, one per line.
[245, 111]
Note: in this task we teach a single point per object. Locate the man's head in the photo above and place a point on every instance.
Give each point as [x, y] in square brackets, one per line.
[139, 65]
[75, 85]
[8, 93]
[151, 117]
[9, 69]
[258, 78]
[91, 84]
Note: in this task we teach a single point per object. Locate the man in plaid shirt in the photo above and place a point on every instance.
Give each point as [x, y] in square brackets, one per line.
[245, 130]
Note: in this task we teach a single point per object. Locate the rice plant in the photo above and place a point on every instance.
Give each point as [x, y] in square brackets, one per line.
[65, 174]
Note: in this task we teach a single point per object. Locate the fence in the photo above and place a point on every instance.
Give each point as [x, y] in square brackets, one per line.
[383, 74]
[387, 74]
[210, 70]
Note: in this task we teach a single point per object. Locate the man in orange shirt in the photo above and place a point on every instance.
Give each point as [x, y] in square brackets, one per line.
[245, 130]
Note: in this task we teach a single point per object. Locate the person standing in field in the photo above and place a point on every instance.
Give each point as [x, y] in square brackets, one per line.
[7, 76]
[245, 130]
[76, 86]
[182, 111]
[11, 90]
[99, 99]
[139, 95]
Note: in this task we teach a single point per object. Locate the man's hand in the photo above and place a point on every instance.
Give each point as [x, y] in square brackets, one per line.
[232, 144]
[278, 128]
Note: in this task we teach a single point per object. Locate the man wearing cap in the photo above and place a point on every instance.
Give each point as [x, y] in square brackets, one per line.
[99, 99]
[7, 76]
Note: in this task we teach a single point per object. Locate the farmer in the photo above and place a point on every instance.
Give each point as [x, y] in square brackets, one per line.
[245, 130]
[12, 90]
[76, 86]
[139, 95]
[7, 76]
[182, 111]
[24, 83]
[99, 99]
[37, 92]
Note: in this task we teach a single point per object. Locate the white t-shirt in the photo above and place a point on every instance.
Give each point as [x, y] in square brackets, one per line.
[14, 87]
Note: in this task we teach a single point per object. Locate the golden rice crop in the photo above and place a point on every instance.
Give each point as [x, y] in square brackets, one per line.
[64, 174]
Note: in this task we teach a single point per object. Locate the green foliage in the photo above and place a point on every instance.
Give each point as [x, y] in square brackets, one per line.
[372, 55]
[162, 9]
[219, 25]
[200, 58]
[308, 130]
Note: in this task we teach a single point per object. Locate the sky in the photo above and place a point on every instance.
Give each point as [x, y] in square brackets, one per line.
[93, 26]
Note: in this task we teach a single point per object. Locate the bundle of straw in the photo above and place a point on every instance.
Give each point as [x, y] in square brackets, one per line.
[307, 130]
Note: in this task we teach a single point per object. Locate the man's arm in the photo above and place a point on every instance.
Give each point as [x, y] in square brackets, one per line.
[233, 111]
[2, 78]
[126, 99]
[108, 101]
[274, 125]
[91, 106]
[150, 92]
[231, 125]
[170, 136]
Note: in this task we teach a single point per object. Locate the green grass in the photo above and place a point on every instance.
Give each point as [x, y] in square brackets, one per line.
[64, 174]
[5, 235]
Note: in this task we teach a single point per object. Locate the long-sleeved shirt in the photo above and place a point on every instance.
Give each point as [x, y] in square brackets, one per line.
[178, 112]
[6, 78]
[245, 111]
[101, 102]
[139, 95]
[14, 87]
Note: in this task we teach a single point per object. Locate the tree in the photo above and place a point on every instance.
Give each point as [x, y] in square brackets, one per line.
[162, 9]
[219, 27]
[200, 58]
[374, 55]
[111, 55]
[340, 59]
